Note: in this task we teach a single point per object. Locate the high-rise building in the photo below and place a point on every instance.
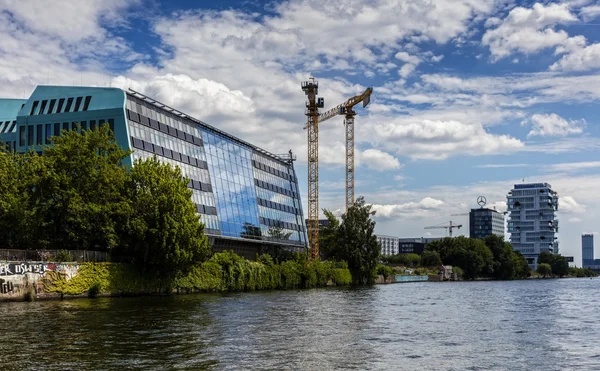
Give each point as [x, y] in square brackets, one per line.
[484, 222]
[587, 249]
[532, 220]
[247, 197]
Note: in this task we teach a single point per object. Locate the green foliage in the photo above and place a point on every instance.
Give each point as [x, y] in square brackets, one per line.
[558, 263]
[357, 244]
[164, 234]
[384, 270]
[522, 269]
[470, 254]
[328, 237]
[407, 260]
[430, 259]
[63, 256]
[544, 269]
[503, 265]
[94, 290]
[545, 258]
[581, 272]
[458, 272]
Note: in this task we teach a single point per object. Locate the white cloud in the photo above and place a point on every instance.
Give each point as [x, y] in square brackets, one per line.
[568, 204]
[581, 59]
[528, 30]
[406, 70]
[499, 166]
[553, 125]
[437, 58]
[407, 58]
[572, 167]
[590, 12]
[379, 160]
[413, 208]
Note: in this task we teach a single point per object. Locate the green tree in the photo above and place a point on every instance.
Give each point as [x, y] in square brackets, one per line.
[358, 245]
[80, 195]
[544, 269]
[522, 269]
[19, 217]
[165, 234]
[430, 259]
[503, 264]
[560, 266]
[470, 254]
[328, 237]
[546, 258]
[412, 260]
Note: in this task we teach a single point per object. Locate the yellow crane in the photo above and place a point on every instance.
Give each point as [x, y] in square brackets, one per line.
[347, 109]
[311, 89]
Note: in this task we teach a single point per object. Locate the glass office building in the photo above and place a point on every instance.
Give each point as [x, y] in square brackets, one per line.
[484, 222]
[247, 198]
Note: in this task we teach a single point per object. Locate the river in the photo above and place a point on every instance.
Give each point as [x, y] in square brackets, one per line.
[517, 325]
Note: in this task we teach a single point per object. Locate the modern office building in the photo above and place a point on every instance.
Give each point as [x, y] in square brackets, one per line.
[247, 198]
[389, 245]
[587, 249]
[532, 224]
[484, 222]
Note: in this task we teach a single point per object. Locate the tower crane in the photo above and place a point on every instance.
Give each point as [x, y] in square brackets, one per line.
[448, 226]
[347, 109]
[311, 89]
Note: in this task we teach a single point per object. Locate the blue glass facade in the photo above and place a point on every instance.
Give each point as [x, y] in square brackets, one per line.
[247, 198]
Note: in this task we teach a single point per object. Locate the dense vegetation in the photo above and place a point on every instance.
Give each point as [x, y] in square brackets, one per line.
[474, 258]
[79, 195]
[224, 271]
[353, 241]
[556, 265]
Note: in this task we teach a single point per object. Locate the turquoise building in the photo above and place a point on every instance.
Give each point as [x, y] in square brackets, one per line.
[247, 197]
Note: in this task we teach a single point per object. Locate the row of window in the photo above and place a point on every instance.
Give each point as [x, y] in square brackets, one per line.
[26, 133]
[278, 206]
[207, 210]
[270, 170]
[7, 126]
[205, 187]
[165, 152]
[281, 224]
[59, 107]
[274, 188]
[146, 121]
[269, 161]
[11, 146]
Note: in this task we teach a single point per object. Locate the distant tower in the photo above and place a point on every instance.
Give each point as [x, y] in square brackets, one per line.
[484, 222]
[587, 249]
[532, 220]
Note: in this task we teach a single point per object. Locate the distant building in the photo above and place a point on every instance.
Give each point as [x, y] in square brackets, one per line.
[532, 220]
[415, 245]
[484, 222]
[389, 245]
[587, 248]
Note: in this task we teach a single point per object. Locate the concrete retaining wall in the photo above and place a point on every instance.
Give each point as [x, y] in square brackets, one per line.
[18, 279]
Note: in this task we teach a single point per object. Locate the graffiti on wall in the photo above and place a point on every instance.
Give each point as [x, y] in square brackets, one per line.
[10, 269]
[6, 286]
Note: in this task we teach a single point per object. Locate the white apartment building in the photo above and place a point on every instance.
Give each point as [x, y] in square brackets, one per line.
[389, 245]
[532, 223]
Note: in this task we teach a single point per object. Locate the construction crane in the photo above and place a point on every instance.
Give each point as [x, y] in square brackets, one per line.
[347, 109]
[311, 89]
[448, 226]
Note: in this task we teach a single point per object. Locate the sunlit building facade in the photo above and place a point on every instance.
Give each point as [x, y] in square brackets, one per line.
[484, 222]
[247, 198]
[533, 225]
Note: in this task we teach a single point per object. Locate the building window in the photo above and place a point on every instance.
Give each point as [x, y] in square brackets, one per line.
[86, 104]
[69, 104]
[34, 107]
[77, 104]
[101, 122]
[83, 125]
[22, 136]
[92, 124]
[66, 126]
[74, 126]
[38, 134]
[48, 133]
[57, 129]
[51, 107]
[111, 124]
[43, 107]
[61, 103]
[30, 135]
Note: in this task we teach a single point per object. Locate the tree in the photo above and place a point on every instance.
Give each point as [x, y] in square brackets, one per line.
[80, 194]
[560, 266]
[430, 259]
[470, 254]
[358, 245]
[522, 269]
[504, 268]
[328, 237]
[412, 260]
[544, 269]
[165, 234]
[546, 258]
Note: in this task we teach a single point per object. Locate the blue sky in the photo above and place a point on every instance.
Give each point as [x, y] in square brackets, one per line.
[470, 96]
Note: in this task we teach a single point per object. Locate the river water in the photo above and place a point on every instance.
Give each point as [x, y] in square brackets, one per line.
[518, 325]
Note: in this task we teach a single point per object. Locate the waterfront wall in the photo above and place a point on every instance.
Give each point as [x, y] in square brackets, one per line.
[399, 279]
[18, 279]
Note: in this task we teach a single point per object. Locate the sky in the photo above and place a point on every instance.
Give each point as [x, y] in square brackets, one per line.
[470, 96]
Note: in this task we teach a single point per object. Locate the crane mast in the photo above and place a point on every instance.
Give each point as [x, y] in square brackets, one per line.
[311, 90]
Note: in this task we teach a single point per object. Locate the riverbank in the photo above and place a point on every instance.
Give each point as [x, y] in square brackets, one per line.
[224, 272]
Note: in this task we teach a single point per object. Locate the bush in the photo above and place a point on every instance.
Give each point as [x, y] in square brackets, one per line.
[431, 259]
[64, 256]
[458, 272]
[384, 271]
[94, 290]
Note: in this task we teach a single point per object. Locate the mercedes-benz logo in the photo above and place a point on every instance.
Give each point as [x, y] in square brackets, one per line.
[481, 201]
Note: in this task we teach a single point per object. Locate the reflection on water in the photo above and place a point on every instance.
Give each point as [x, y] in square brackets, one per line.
[541, 324]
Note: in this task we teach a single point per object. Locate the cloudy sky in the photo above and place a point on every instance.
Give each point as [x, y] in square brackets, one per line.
[470, 96]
